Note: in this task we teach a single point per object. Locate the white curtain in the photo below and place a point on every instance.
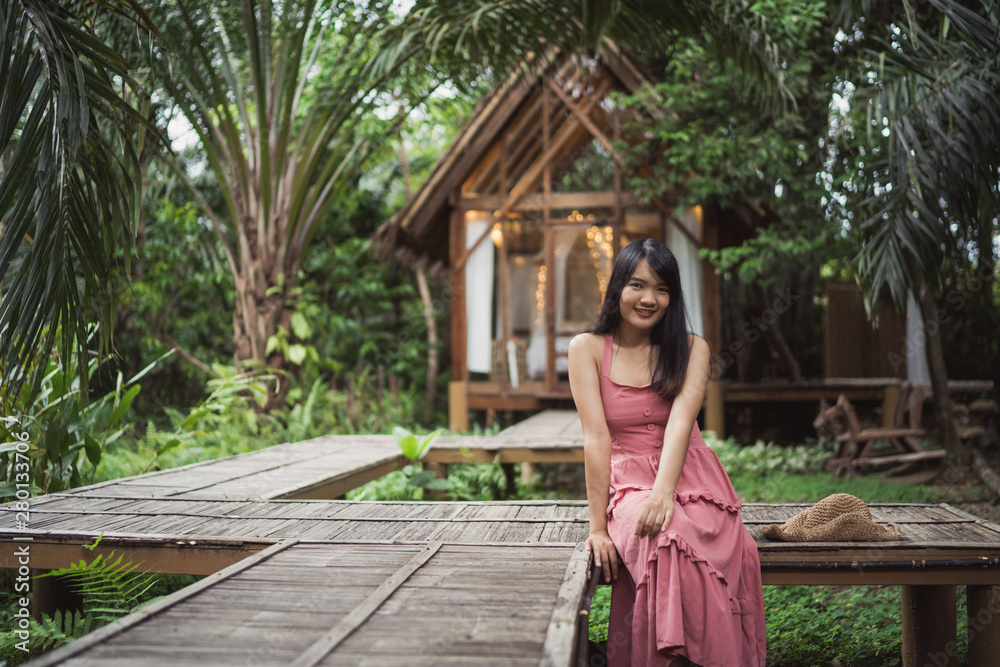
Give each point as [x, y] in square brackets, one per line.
[478, 294]
[917, 369]
[686, 252]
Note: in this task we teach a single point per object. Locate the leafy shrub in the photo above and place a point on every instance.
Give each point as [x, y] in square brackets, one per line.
[66, 427]
[762, 459]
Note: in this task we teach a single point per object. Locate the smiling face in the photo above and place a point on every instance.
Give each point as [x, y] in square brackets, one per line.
[644, 299]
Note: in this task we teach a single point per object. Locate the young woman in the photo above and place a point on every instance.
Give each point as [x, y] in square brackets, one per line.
[665, 522]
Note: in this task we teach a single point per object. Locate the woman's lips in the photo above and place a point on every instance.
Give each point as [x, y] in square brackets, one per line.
[643, 312]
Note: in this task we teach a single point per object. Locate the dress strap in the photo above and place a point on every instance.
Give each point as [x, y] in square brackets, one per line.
[606, 359]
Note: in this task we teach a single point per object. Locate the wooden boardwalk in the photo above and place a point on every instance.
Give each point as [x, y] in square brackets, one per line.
[304, 603]
[513, 569]
[185, 536]
[319, 468]
[328, 467]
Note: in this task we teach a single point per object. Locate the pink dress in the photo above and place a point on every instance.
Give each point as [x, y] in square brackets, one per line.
[694, 590]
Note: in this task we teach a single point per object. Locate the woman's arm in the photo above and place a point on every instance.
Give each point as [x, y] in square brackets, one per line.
[585, 351]
[658, 509]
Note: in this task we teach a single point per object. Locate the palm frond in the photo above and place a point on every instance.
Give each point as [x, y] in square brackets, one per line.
[506, 36]
[69, 142]
[941, 154]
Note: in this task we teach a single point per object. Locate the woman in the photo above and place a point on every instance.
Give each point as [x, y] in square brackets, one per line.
[690, 587]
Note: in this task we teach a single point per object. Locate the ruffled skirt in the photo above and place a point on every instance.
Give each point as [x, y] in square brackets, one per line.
[693, 590]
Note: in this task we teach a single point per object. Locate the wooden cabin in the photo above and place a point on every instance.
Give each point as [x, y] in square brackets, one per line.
[526, 212]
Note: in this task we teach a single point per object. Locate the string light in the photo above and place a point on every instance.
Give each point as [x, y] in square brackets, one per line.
[600, 241]
[540, 295]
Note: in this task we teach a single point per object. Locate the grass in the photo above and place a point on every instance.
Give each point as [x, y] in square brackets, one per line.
[807, 626]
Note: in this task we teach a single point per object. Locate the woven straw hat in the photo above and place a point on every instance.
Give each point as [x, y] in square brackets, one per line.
[837, 518]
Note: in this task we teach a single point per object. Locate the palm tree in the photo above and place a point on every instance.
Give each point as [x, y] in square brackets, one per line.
[70, 135]
[284, 113]
[932, 175]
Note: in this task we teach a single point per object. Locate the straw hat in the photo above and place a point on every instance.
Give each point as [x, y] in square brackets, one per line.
[837, 518]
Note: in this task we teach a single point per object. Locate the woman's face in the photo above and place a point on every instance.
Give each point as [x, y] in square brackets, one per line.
[645, 298]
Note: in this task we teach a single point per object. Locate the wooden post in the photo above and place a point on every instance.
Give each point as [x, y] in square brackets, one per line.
[715, 412]
[890, 399]
[528, 471]
[51, 594]
[457, 282]
[983, 611]
[929, 629]
[715, 406]
[458, 407]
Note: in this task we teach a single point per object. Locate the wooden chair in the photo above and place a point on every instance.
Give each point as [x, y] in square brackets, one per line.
[856, 443]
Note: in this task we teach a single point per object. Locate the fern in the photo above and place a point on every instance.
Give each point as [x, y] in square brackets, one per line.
[110, 588]
[44, 635]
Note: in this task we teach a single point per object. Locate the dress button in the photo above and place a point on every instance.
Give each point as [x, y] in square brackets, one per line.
[657, 443]
[647, 412]
[650, 427]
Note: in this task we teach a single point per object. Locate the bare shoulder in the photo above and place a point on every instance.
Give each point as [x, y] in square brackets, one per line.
[699, 356]
[587, 345]
[698, 345]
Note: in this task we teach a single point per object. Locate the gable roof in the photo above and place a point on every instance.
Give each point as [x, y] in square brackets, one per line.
[419, 232]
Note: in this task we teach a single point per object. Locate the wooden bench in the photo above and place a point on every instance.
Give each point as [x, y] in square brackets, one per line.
[941, 547]
[856, 443]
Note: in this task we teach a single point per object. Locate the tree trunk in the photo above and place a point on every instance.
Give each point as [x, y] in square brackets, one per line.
[432, 339]
[260, 308]
[425, 295]
[958, 455]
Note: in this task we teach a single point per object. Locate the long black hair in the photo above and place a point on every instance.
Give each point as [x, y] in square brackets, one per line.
[670, 335]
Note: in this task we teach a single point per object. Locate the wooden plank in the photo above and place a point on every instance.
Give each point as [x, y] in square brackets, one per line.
[561, 636]
[326, 644]
[135, 618]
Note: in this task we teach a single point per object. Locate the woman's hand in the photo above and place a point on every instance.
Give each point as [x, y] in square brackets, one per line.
[655, 514]
[605, 554]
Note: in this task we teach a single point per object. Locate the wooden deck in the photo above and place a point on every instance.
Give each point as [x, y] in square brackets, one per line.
[304, 603]
[184, 536]
[328, 467]
[320, 468]
[510, 567]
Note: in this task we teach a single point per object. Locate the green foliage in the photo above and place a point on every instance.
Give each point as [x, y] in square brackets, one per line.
[72, 128]
[68, 430]
[466, 482]
[109, 587]
[412, 448]
[44, 635]
[600, 612]
[814, 625]
[180, 294]
[763, 459]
